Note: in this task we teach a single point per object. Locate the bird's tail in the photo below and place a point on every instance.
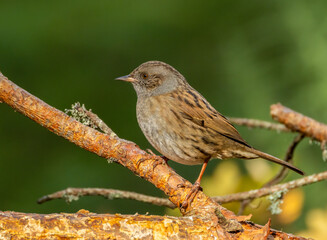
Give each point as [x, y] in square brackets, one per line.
[276, 160]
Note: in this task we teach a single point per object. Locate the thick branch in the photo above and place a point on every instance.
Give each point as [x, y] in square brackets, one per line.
[86, 225]
[299, 123]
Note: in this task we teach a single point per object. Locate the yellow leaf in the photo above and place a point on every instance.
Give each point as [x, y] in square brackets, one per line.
[224, 180]
[316, 221]
[292, 206]
[259, 170]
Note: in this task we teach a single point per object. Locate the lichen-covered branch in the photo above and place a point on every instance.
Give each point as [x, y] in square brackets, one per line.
[261, 192]
[88, 118]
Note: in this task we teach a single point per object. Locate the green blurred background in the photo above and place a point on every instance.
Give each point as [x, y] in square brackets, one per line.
[242, 56]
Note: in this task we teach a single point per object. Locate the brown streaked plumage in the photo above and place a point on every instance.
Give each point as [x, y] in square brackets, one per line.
[181, 124]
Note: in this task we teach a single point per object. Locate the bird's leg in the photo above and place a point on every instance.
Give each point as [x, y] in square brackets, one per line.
[196, 187]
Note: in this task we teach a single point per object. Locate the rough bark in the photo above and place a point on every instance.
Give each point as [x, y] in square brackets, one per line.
[86, 225]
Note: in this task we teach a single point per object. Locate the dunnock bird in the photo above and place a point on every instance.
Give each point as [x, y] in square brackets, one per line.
[181, 124]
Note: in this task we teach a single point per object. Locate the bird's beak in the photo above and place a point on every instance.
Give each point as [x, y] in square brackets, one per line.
[127, 78]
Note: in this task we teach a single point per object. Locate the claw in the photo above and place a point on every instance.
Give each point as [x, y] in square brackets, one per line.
[165, 158]
[141, 160]
[158, 161]
[150, 151]
[195, 188]
[181, 185]
[191, 195]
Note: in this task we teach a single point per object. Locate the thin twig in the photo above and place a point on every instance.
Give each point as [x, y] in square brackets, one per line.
[72, 193]
[91, 118]
[252, 194]
[254, 123]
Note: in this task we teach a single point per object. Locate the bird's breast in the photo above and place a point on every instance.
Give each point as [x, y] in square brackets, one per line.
[167, 133]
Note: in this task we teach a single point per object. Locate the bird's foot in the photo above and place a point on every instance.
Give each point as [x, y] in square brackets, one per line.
[162, 156]
[165, 159]
[158, 160]
[150, 151]
[191, 195]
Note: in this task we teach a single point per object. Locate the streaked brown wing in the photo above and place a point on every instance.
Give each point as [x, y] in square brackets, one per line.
[198, 110]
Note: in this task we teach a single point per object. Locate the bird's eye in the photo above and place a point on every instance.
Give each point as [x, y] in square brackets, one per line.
[144, 76]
